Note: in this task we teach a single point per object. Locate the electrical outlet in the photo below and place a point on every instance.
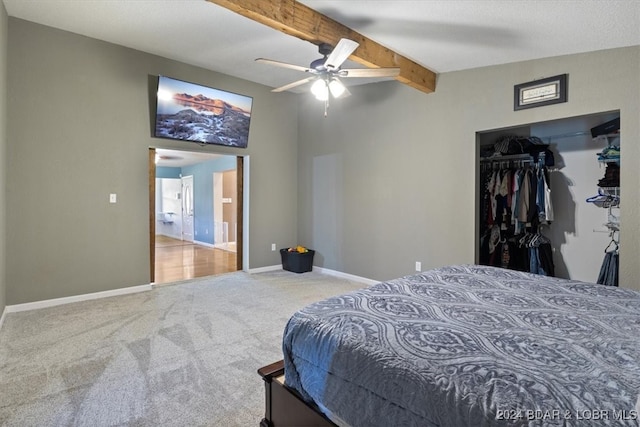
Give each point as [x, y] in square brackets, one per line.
[418, 266]
[273, 246]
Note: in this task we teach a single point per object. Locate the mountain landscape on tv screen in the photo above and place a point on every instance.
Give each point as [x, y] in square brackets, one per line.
[206, 120]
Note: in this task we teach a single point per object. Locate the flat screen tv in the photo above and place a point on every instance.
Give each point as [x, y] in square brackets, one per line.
[191, 112]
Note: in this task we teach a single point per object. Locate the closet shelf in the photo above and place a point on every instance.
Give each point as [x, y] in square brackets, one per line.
[609, 196]
[612, 226]
[609, 161]
[612, 191]
[608, 228]
[606, 138]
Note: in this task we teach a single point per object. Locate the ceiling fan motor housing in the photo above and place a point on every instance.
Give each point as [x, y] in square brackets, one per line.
[318, 64]
[324, 49]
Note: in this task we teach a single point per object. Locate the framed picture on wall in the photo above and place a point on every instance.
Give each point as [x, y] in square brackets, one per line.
[552, 90]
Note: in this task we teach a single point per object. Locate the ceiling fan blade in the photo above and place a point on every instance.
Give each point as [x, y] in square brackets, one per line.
[292, 85]
[370, 72]
[282, 64]
[340, 53]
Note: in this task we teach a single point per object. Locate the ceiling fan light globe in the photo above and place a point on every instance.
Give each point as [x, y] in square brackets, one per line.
[323, 96]
[320, 90]
[337, 88]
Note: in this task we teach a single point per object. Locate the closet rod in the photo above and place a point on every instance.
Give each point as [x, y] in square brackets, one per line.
[526, 157]
[506, 158]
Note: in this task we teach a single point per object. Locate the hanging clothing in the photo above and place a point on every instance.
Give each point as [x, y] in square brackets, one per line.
[545, 259]
[611, 176]
[515, 199]
[533, 194]
[515, 205]
[548, 208]
[609, 269]
[524, 200]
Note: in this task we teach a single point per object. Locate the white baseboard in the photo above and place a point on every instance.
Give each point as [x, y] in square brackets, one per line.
[76, 298]
[209, 245]
[143, 288]
[345, 275]
[172, 236]
[4, 312]
[265, 269]
[225, 246]
[321, 270]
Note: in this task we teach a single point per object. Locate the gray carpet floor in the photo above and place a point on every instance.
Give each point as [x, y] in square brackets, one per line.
[180, 355]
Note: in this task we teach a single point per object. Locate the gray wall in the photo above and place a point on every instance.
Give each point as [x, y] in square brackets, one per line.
[388, 178]
[3, 147]
[79, 114]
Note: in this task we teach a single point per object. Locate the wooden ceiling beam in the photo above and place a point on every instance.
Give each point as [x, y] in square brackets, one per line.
[296, 19]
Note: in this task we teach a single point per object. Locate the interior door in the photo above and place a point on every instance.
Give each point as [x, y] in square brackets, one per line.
[187, 208]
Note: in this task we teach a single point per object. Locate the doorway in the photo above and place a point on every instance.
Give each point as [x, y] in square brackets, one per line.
[197, 247]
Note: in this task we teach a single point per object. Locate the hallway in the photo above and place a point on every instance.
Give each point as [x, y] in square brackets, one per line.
[178, 260]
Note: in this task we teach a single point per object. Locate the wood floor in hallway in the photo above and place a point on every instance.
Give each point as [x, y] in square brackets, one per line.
[178, 260]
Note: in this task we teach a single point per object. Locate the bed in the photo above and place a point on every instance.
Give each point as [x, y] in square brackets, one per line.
[462, 346]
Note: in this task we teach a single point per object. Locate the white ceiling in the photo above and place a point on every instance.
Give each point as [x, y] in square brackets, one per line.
[442, 35]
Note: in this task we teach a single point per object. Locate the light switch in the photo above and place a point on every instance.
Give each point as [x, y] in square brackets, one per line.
[113, 198]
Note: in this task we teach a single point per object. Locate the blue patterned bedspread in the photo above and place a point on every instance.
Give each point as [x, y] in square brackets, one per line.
[470, 346]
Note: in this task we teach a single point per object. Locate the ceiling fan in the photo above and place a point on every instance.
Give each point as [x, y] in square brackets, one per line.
[326, 72]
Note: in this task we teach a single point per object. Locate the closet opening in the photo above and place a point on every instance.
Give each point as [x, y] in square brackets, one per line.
[574, 220]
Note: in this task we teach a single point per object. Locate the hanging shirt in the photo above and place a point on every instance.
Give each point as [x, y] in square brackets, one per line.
[496, 192]
[516, 207]
[512, 174]
[533, 208]
[525, 197]
[548, 208]
[540, 195]
[491, 188]
[504, 184]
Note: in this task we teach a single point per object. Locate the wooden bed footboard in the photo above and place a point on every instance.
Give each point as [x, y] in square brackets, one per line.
[283, 406]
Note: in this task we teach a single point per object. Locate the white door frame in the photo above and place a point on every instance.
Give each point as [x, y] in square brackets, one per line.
[188, 216]
[218, 232]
